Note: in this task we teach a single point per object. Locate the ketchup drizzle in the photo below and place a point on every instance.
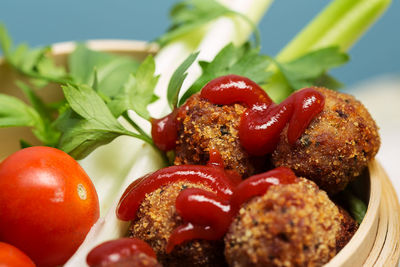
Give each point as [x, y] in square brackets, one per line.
[212, 176]
[257, 185]
[116, 250]
[230, 89]
[208, 216]
[261, 123]
[164, 132]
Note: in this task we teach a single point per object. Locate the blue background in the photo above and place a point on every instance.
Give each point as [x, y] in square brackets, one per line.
[44, 22]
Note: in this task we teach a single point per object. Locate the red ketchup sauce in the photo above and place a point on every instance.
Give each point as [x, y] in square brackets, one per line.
[263, 121]
[212, 175]
[164, 132]
[207, 215]
[116, 250]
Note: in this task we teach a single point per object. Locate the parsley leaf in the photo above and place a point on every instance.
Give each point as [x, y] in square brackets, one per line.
[138, 91]
[86, 103]
[328, 81]
[84, 120]
[24, 144]
[82, 62]
[5, 40]
[44, 130]
[308, 70]
[83, 136]
[177, 79]
[357, 207]
[243, 60]
[188, 15]
[91, 126]
[14, 112]
[305, 70]
[34, 63]
[88, 117]
[351, 200]
[113, 75]
[35, 101]
[112, 71]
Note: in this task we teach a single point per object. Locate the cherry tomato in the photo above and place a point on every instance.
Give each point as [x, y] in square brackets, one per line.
[10, 256]
[47, 204]
[114, 251]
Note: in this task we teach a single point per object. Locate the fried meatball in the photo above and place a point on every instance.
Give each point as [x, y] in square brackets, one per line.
[157, 218]
[348, 228]
[336, 146]
[203, 126]
[290, 225]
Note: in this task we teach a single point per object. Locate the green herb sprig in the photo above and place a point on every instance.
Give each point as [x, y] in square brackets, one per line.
[110, 86]
[98, 89]
[34, 63]
[190, 15]
[246, 60]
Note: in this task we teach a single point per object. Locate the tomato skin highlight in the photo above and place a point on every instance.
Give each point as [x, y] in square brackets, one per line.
[11, 256]
[115, 250]
[48, 204]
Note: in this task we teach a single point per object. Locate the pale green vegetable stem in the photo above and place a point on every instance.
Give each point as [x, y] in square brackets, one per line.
[341, 23]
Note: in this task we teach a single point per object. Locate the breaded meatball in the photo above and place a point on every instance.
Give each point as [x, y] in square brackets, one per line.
[336, 146]
[157, 218]
[203, 125]
[290, 225]
[348, 227]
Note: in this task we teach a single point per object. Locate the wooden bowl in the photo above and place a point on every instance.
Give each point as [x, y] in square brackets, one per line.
[376, 243]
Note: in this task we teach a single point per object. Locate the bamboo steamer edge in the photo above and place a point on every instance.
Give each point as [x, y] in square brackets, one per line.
[376, 242]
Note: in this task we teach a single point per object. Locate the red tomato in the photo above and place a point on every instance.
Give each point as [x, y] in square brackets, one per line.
[115, 251]
[47, 204]
[10, 256]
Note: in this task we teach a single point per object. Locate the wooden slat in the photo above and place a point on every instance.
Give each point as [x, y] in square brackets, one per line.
[356, 252]
[390, 209]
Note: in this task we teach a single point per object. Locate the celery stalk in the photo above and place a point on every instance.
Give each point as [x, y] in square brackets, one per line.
[213, 38]
[225, 30]
[167, 60]
[341, 23]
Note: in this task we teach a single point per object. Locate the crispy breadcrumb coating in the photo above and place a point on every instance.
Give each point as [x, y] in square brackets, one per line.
[348, 227]
[203, 125]
[157, 218]
[290, 225]
[336, 146]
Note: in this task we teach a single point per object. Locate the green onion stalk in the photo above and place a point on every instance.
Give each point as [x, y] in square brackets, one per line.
[342, 23]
